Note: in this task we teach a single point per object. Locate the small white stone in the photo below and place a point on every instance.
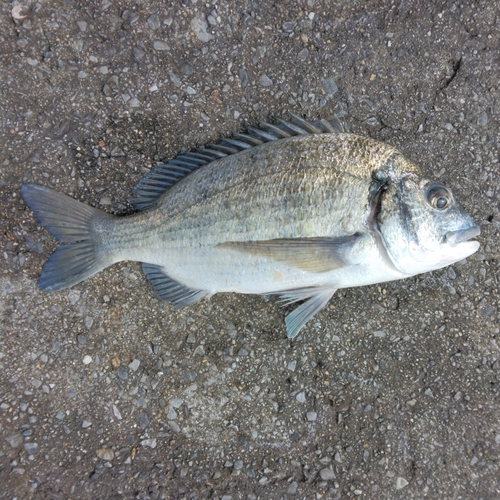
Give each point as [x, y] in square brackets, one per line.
[327, 474]
[401, 482]
[116, 412]
[87, 360]
[134, 365]
[312, 416]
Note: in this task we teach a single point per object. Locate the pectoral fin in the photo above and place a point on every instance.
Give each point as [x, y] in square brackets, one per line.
[317, 299]
[316, 255]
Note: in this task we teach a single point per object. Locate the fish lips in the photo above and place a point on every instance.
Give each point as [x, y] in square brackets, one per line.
[454, 238]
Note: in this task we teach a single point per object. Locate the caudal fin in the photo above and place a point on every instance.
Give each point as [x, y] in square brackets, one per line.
[70, 222]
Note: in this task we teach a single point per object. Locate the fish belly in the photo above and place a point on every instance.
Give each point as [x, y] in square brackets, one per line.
[218, 270]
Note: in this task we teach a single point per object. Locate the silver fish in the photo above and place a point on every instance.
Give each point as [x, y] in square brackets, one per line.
[298, 209]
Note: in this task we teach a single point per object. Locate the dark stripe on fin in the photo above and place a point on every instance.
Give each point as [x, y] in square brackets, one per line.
[170, 290]
[316, 255]
[69, 221]
[155, 183]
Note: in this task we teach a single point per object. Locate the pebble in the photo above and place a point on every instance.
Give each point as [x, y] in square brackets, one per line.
[482, 119]
[122, 373]
[106, 454]
[60, 415]
[401, 482]
[292, 365]
[150, 443]
[487, 311]
[87, 360]
[243, 77]
[142, 419]
[15, 440]
[176, 402]
[86, 424]
[301, 397]
[82, 25]
[134, 365]
[329, 86]
[174, 426]
[199, 25]
[303, 54]
[238, 464]
[31, 448]
[292, 488]
[153, 22]
[327, 474]
[265, 81]
[160, 46]
[74, 296]
[138, 53]
[199, 351]
[134, 102]
[116, 412]
[312, 416]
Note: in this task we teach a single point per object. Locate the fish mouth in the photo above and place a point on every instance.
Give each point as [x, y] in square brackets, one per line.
[454, 238]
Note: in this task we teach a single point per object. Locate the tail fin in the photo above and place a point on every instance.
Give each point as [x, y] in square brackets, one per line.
[69, 221]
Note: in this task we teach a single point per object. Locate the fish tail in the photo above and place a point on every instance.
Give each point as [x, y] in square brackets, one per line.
[71, 223]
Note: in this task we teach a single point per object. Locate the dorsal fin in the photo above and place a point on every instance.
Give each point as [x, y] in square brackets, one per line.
[165, 175]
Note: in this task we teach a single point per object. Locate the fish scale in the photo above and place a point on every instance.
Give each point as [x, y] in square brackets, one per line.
[298, 209]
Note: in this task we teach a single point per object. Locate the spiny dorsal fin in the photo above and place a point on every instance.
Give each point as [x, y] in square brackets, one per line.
[165, 175]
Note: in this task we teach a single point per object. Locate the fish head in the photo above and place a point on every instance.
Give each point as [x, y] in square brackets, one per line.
[421, 226]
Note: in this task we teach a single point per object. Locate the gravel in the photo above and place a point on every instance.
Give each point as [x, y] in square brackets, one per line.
[391, 392]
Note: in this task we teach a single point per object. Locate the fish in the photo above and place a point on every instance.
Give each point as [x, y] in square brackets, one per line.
[296, 208]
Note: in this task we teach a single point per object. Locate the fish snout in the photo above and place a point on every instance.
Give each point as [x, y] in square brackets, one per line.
[455, 237]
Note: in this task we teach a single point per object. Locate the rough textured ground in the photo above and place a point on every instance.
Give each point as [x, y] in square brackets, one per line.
[391, 392]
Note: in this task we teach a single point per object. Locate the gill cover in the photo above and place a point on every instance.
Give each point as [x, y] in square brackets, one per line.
[422, 226]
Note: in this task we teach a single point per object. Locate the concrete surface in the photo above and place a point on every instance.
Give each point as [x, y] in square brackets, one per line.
[106, 393]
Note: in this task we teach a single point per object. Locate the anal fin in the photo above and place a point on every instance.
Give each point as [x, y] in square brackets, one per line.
[170, 290]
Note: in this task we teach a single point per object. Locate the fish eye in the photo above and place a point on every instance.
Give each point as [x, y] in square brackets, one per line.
[439, 197]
